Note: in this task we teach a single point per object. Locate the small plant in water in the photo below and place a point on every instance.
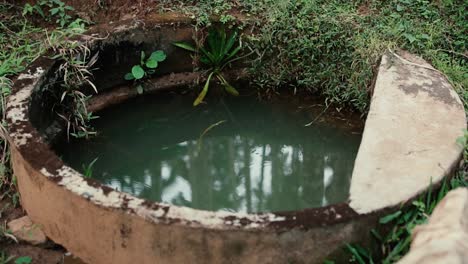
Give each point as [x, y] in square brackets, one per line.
[220, 52]
[88, 169]
[146, 67]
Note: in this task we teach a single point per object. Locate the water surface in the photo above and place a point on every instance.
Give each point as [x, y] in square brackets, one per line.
[234, 154]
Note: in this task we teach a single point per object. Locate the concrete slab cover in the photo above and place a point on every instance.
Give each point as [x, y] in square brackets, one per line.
[410, 135]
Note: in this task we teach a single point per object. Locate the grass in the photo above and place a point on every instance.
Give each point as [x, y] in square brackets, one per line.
[402, 222]
[21, 42]
[333, 47]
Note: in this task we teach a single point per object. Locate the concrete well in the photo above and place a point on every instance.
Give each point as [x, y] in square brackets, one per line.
[409, 140]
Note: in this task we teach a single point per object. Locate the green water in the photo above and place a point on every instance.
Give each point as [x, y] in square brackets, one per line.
[235, 154]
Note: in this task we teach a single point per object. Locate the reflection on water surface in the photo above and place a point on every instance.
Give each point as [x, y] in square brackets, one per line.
[237, 154]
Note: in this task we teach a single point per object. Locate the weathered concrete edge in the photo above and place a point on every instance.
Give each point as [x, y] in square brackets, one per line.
[102, 225]
[27, 141]
[409, 139]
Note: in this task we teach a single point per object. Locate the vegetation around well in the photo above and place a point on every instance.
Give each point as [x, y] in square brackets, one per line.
[327, 47]
[333, 47]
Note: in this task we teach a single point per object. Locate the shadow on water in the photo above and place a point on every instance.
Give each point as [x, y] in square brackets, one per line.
[235, 154]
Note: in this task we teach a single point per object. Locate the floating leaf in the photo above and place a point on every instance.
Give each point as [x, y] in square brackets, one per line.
[138, 72]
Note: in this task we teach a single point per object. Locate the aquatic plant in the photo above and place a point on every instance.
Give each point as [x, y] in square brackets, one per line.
[219, 53]
[146, 67]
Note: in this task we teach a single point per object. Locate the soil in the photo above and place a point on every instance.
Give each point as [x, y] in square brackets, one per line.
[48, 253]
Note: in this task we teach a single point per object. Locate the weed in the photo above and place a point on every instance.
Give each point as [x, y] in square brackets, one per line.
[397, 243]
[18, 47]
[146, 68]
[5, 259]
[333, 47]
[20, 43]
[88, 169]
[219, 53]
[203, 11]
[57, 10]
[75, 71]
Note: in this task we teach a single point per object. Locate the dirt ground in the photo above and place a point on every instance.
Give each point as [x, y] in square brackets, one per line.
[44, 254]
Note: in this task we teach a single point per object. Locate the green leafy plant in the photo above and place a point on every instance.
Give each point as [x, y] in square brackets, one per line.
[58, 10]
[88, 169]
[23, 260]
[219, 52]
[146, 67]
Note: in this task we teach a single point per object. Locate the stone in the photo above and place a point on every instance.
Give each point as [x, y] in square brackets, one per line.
[410, 138]
[25, 230]
[444, 239]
